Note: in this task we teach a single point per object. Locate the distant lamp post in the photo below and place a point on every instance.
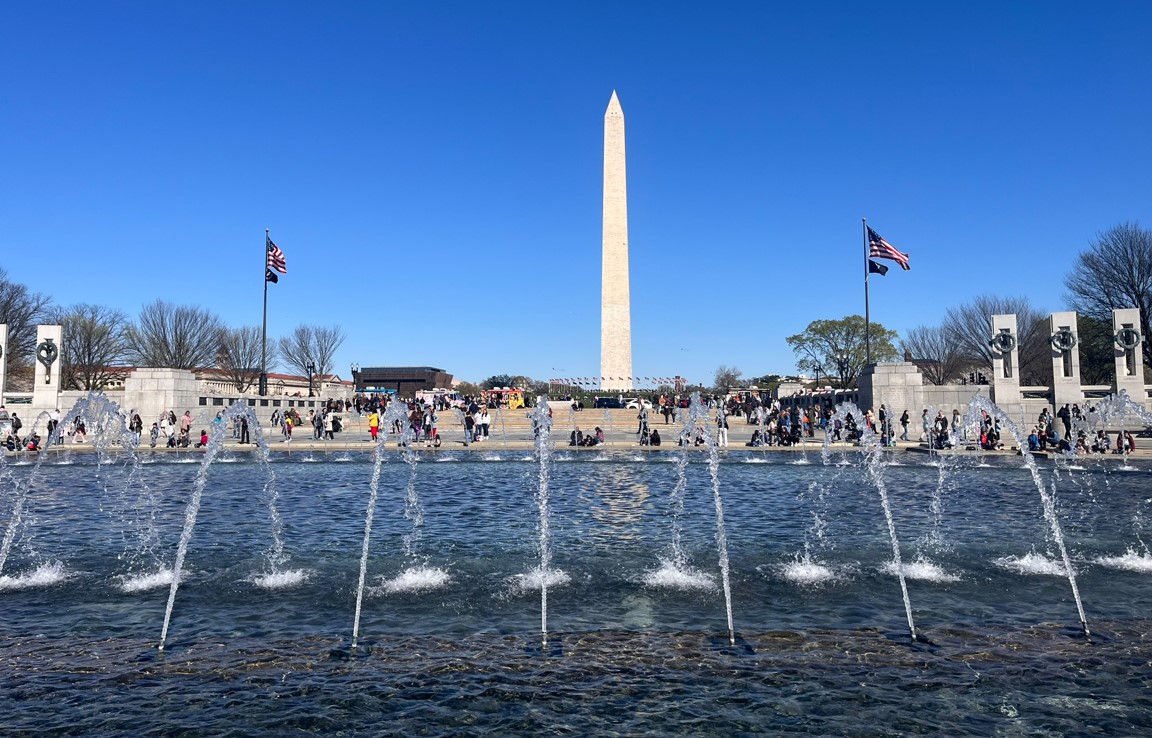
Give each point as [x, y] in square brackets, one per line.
[311, 373]
[818, 368]
[355, 369]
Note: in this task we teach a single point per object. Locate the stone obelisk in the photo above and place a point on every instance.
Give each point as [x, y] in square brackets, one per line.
[615, 302]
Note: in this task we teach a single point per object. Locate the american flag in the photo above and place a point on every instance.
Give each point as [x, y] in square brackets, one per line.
[276, 257]
[878, 248]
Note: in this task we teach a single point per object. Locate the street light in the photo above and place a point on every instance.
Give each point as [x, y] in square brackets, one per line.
[817, 367]
[311, 371]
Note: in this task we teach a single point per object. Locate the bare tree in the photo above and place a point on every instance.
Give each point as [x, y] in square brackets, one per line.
[940, 360]
[21, 310]
[95, 349]
[176, 336]
[239, 356]
[1115, 272]
[969, 328]
[311, 344]
[725, 378]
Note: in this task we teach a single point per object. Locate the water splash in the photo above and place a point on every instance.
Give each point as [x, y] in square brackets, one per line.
[131, 584]
[807, 572]
[1137, 561]
[42, 576]
[979, 405]
[417, 579]
[678, 575]
[108, 429]
[396, 416]
[275, 556]
[698, 426]
[541, 430]
[853, 422]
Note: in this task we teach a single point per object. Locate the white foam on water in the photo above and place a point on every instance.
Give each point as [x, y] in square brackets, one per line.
[808, 572]
[490, 457]
[446, 458]
[45, 575]
[671, 576]
[754, 460]
[1075, 467]
[282, 579]
[1130, 561]
[416, 579]
[800, 462]
[1032, 563]
[144, 582]
[1129, 468]
[923, 570]
[535, 579]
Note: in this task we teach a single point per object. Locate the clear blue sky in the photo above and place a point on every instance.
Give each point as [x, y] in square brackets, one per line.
[432, 171]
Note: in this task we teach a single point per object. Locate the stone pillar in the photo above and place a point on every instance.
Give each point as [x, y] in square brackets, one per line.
[615, 301]
[152, 391]
[898, 386]
[3, 360]
[1128, 350]
[1006, 364]
[46, 383]
[1064, 339]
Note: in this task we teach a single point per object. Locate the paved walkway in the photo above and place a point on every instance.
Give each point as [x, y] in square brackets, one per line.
[513, 430]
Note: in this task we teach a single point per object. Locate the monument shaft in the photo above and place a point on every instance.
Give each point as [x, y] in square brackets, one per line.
[615, 301]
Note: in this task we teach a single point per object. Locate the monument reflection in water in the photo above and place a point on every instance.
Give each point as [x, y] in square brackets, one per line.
[638, 636]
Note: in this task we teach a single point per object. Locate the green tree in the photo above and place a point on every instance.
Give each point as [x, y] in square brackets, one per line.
[504, 380]
[838, 346]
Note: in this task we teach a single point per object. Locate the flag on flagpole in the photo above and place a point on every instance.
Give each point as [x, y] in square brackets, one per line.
[874, 268]
[270, 276]
[275, 258]
[878, 248]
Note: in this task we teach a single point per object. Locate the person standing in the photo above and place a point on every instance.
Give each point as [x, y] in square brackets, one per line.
[244, 429]
[373, 424]
[485, 422]
[904, 425]
[469, 427]
[721, 428]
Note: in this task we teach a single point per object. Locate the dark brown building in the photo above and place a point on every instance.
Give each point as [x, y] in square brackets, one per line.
[405, 381]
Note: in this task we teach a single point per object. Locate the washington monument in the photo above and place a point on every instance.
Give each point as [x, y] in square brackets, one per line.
[615, 303]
